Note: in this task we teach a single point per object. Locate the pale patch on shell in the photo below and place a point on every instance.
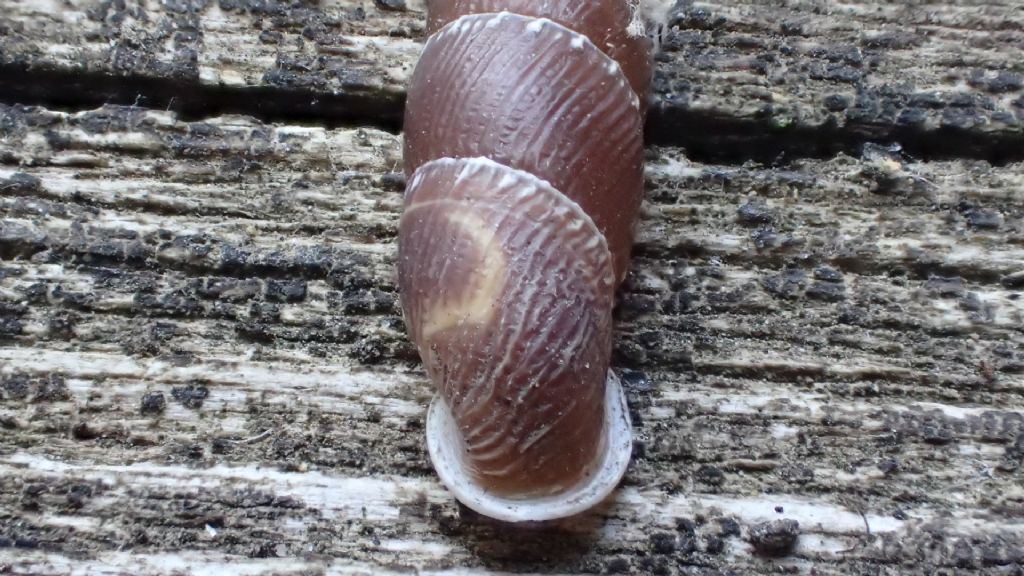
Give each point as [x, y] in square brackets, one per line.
[531, 185]
[477, 305]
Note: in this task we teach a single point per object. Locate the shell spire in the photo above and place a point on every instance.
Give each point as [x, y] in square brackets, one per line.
[524, 158]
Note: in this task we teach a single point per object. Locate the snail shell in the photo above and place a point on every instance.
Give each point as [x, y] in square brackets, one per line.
[524, 150]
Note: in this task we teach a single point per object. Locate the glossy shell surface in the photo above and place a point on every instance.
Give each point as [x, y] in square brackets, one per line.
[523, 152]
[533, 95]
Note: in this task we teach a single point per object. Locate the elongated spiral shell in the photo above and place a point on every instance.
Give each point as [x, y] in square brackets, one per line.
[523, 152]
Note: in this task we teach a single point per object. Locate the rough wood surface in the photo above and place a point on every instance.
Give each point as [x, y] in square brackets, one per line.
[204, 365]
[736, 80]
[812, 77]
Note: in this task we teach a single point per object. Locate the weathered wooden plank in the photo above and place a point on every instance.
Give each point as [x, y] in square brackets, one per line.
[939, 78]
[202, 351]
[340, 60]
[736, 80]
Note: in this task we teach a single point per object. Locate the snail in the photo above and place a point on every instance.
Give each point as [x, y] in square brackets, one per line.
[524, 161]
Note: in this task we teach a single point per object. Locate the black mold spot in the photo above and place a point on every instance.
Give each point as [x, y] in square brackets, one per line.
[828, 274]
[190, 396]
[392, 5]
[754, 213]
[618, 565]
[785, 285]
[392, 182]
[836, 102]
[1002, 82]
[663, 543]
[153, 403]
[255, 332]
[15, 387]
[40, 389]
[370, 351]
[775, 538]
[710, 475]
[82, 431]
[983, 219]
[827, 291]
[78, 494]
[728, 527]
[20, 183]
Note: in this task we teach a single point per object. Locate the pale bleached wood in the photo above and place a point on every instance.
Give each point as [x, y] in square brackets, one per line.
[840, 339]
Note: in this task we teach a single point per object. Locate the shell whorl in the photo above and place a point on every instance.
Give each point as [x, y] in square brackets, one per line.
[523, 149]
[608, 25]
[536, 96]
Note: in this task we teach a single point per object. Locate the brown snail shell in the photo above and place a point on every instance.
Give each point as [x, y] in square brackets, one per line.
[606, 24]
[523, 148]
[518, 90]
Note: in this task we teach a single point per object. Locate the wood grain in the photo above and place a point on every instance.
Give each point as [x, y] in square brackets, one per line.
[940, 79]
[204, 367]
[735, 81]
